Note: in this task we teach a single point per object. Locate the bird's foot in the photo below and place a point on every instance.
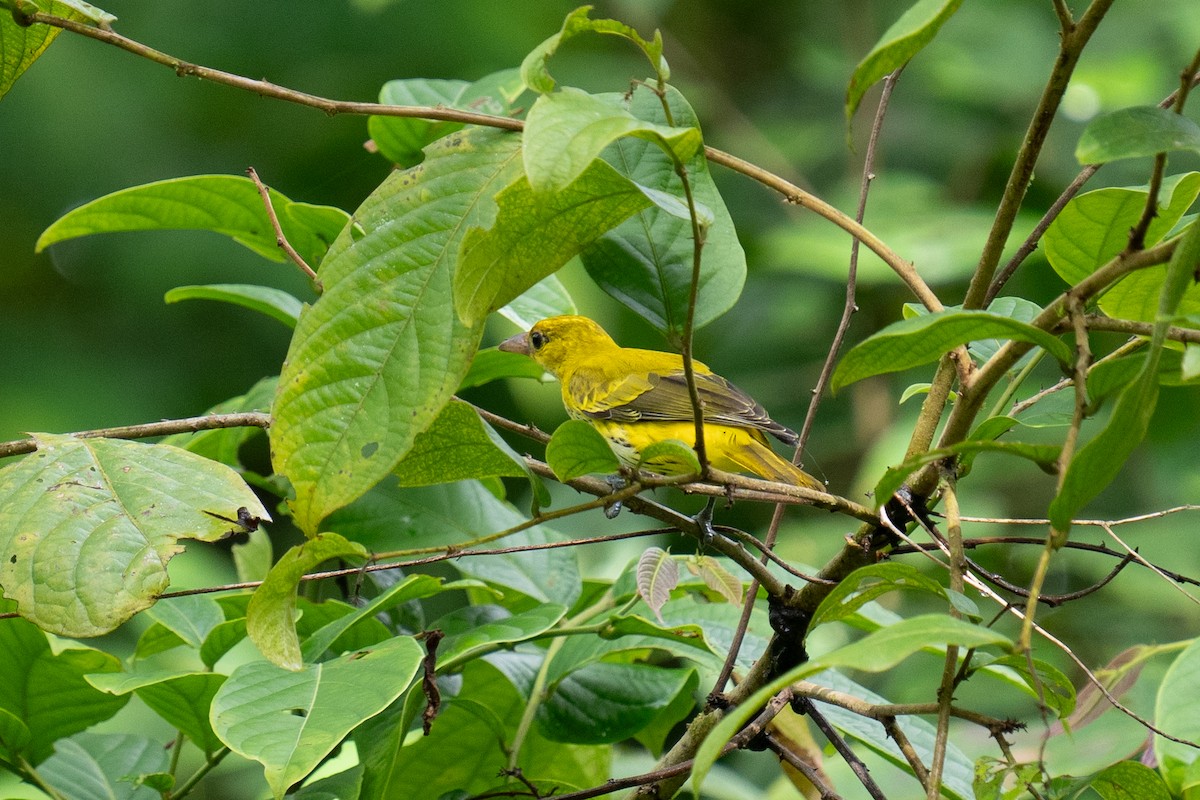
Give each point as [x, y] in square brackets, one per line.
[704, 520]
[617, 483]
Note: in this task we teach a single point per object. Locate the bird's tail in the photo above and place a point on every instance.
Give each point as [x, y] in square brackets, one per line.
[760, 459]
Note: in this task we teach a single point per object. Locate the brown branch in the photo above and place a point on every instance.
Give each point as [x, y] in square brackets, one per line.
[1098, 322]
[844, 750]
[280, 239]
[247, 419]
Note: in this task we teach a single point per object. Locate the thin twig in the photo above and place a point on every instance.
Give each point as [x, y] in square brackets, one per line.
[280, 239]
[800, 765]
[207, 422]
[844, 750]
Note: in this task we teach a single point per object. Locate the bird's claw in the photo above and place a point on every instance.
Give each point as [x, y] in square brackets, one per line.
[704, 520]
[617, 483]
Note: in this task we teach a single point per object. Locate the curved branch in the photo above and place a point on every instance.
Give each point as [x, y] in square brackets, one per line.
[207, 422]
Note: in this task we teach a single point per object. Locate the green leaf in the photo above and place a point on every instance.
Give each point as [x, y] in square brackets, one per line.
[1094, 227]
[1046, 682]
[1177, 711]
[1044, 455]
[414, 587]
[184, 702]
[465, 751]
[1135, 132]
[646, 261]
[492, 364]
[191, 618]
[497, 626]
[87, 526]
[1136, 296]
[604, 703]
[869, 583]
[402, 139]
[657, 576]
[1128, 780]
[391, 518]
[567, 130]
[546, 298]
[576, 449]
[271, 616]
[222, 639]
[362, 379]
[904, 39]
[14, 736]
[534, 234]
[226, 204]
[46, 691]
[533, 68]
[102, 766]
[669, 457]
[21, 45]
[921, 340]
[289, 721]
[457, 446]
[1097, 463]
[275, 303]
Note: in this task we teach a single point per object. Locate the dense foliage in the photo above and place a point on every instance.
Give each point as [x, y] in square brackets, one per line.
[383, 595]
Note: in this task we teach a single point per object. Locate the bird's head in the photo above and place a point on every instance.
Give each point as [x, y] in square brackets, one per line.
[555, 341]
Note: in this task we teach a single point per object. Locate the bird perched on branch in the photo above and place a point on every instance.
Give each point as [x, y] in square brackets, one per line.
[635, 398]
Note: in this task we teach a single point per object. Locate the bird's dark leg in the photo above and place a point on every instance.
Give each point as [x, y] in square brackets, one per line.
[704, 521]
[617, 483]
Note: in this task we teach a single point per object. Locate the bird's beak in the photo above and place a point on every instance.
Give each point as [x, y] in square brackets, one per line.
[517, 344]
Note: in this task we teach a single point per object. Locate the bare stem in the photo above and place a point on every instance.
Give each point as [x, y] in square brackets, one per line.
[280, 239]
[207, 422]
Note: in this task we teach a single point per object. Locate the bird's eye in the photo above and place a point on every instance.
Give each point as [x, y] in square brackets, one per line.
[537, 339]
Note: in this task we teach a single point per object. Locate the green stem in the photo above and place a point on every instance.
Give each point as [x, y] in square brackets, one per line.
[535, 700]
[205, 768]
[30, 772]
[1015, 384]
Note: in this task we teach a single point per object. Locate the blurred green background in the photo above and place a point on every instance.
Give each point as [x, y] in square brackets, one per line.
[86, 340]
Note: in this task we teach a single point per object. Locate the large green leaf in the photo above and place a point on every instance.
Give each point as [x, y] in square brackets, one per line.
[457, 446]
[180, 697]
[225, 204]
[402, 139]
[391, 518]
[604, 703]
[535, 233]
[922, 340]
[1177, 711]
[1134, 132]
[20, 45]
[46, 691]
[646, 261]
[271, 615]
[533, 68]
[374, 360]
[576, 449]
[465, 753]
[868, 583]
[1094, 226]
[289, 721]
[904, 39]
[1097, 463]
[485, 627]
[87, 526]
[567, 130]
[104, 766]
[546, 298]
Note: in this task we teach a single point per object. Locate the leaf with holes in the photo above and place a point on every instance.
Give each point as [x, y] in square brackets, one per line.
[376, 358]
[87, 526]
[289, 721]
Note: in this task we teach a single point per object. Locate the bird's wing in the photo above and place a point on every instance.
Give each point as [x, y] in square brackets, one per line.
[664, 397]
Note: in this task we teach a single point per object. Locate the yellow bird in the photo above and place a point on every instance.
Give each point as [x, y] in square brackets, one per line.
[635, 398]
